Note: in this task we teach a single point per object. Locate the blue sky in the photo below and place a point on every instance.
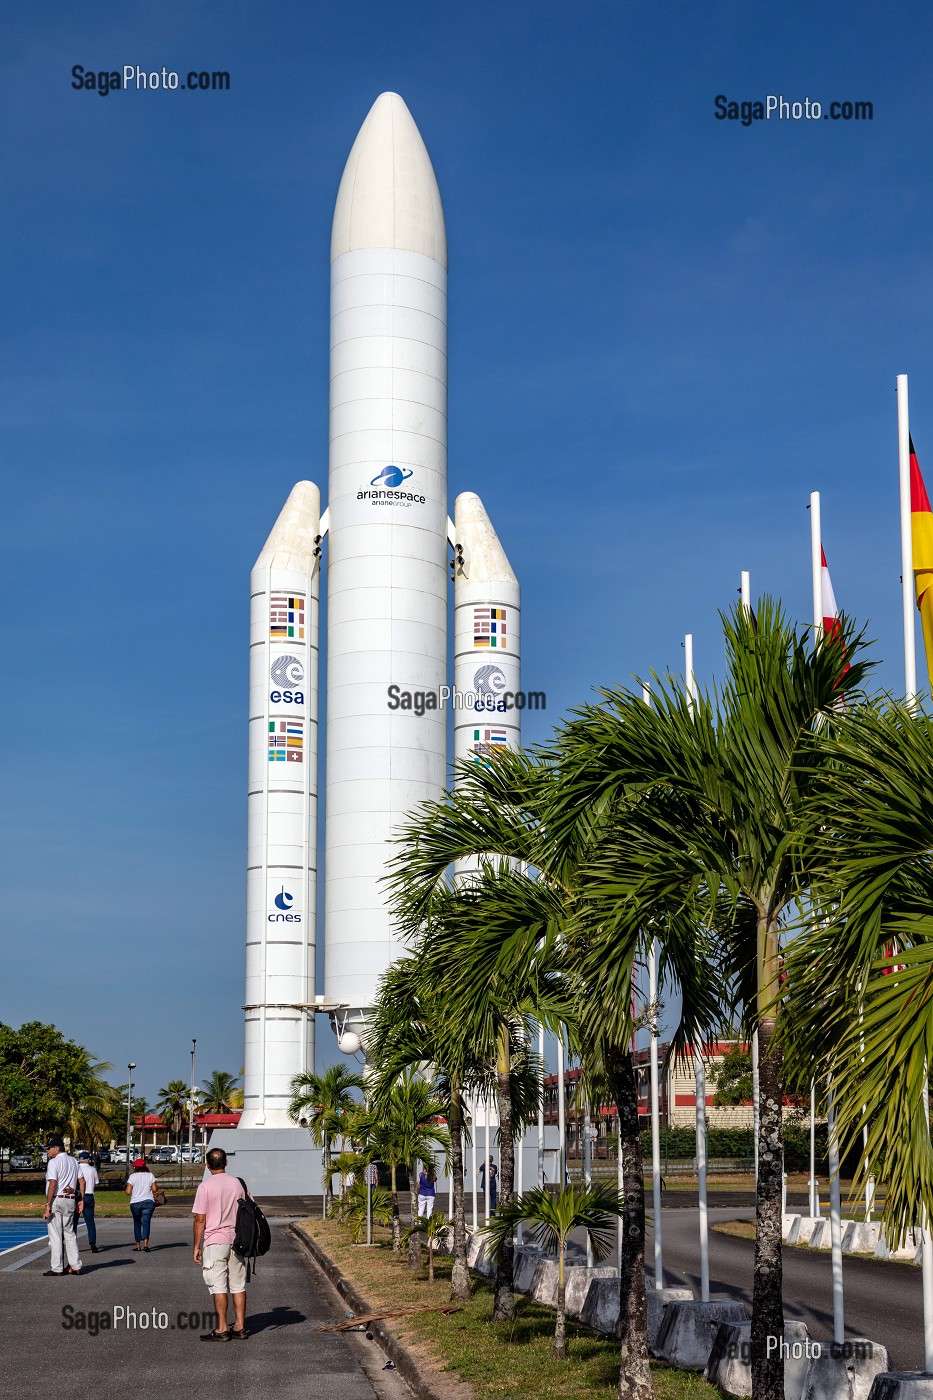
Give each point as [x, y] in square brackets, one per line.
[666, 330]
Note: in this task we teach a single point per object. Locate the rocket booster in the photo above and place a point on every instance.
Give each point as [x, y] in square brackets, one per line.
[387, 530]
[281, 880]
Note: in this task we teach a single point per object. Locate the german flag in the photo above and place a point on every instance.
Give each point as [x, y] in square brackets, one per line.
[921, 530]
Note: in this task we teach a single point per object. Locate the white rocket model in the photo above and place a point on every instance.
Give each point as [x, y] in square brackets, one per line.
[388, 533]
[281, 882]
[387, 536]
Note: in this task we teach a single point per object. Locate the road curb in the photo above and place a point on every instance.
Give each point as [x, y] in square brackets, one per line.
[405, 1362]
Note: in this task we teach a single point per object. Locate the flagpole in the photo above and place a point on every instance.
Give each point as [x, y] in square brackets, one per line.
[745, 589]
[816, 563]
[655, 1094]
[907, 558]
[699, 1072]
[541, 1109]
[835, 1221]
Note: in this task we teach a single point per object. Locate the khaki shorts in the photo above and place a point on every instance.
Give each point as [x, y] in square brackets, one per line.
[223, 1271]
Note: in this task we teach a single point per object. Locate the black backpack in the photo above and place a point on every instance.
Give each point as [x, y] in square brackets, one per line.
[252, 1234]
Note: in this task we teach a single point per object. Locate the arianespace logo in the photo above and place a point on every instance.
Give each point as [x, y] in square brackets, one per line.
[287, 673]
[387, 490]
[284, 914]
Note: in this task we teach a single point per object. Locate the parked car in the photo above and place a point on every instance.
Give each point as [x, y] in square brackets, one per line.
[104, 1155]
[191, 1154]
[22, 1162]
[162, 1154]
[118, 1154]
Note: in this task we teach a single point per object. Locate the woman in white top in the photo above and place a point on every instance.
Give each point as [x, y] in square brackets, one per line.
[139, 1187]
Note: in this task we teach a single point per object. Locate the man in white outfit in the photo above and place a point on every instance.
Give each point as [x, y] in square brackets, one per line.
[62, 1198]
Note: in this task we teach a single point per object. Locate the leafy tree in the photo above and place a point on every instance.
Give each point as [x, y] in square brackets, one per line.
[351, 1208]
[733, 1076]
[552, 1217]
[325, 1101]
[49, 1084]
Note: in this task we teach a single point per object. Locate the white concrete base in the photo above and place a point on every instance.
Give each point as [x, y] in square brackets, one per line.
[845, 1371]
[600, 1311]
[526, 1261]
[578, 1283]
[902, 1385]
[479, 1258]
[688, 1330]
[730, 1361]
[790, 1228]
[908, 1249]
[864, 1238]
[810, 1226]
[272, 1161]
[657, 1300]
[544, 1282]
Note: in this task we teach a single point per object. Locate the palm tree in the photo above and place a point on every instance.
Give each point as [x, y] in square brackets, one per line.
[325, 1100]
[434, 1230]
[860, 975]
[401, 1127]
[409, 1029]
[172, 1104]
[709, 796]
[91, 1104]
[217, 1091]
[552, 1217]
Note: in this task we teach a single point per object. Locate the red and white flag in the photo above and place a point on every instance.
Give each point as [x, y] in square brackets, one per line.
[832, 627]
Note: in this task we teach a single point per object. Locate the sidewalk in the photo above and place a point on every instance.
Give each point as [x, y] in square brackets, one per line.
[166, 1359]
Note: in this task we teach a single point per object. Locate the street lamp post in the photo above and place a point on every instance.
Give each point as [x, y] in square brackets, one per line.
[129, 1112]
[191, 1107]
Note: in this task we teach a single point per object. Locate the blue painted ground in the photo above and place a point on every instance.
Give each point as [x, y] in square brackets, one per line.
[16, 1232]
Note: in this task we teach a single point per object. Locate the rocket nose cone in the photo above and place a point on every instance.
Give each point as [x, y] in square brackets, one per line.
[388, 196]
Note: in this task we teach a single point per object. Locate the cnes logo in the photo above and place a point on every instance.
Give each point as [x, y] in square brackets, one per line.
[283, 902]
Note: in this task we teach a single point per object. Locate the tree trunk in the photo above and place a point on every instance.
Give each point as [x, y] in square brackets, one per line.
[560, 1326]
[459, 1274]
[767, 1289]
[430, 1262]
[767, 1292]
[414, 1241]
[634, 1370]
[396, 1217]
[328, 1194]
[504, 1305]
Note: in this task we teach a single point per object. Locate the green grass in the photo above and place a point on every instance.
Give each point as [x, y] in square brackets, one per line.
[106, 1205]
[501, 1361]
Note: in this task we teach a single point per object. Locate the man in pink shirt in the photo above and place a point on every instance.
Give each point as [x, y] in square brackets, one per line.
[214, 1210]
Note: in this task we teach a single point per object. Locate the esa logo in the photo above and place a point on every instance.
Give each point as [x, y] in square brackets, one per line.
[283, 902]
[287, 671]
[488, 684]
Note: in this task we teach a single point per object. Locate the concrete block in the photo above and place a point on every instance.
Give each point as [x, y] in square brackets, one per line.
[902, 1385]
[544, 1282]
[688, 1330]
[844, 1371]
[730, 1361]
[578, 1281]
[907, 1249]
[526, 1261]
[790, 1228]
[657, 1300]
[600, 1310]
[808, 1223]
[479, 1258]
[864, 1238]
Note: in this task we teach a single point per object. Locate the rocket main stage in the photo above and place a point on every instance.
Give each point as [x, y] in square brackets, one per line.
[388, 538]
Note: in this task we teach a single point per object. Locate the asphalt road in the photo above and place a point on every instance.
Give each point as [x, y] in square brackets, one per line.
[284, 1354]
[882, 1300]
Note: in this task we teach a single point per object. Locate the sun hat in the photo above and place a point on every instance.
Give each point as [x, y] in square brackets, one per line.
[140, 1162]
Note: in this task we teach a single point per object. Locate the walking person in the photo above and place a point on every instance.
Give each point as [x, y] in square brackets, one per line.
[140, 1187]
[62, 1204]
[87, 1175]
[427, 1191]
[224, 1272]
